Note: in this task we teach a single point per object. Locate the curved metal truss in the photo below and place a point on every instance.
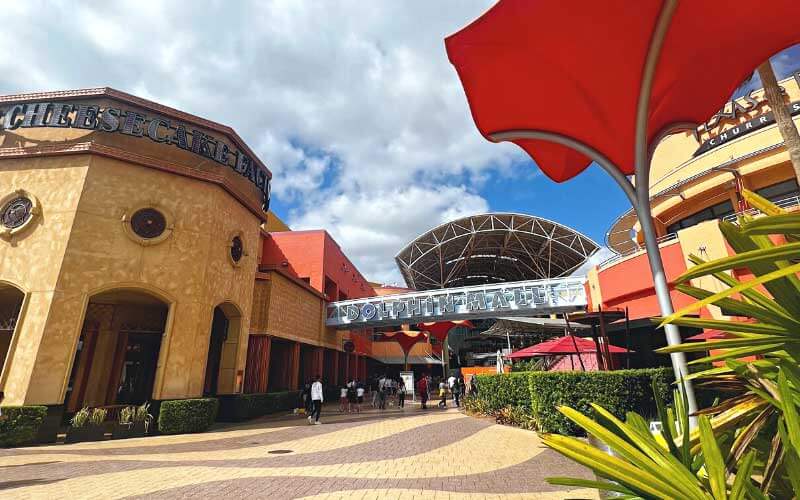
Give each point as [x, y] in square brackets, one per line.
[492, 248]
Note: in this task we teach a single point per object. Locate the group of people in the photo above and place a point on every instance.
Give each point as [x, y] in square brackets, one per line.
[385, 390]
[453, 386]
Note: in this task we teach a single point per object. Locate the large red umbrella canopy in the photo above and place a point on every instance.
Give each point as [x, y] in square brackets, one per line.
[440, 329]
[563, 345]
[405, 338]
[575, 69]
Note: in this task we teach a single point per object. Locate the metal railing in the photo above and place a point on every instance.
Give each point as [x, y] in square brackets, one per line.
[618, 257]
[790, 202]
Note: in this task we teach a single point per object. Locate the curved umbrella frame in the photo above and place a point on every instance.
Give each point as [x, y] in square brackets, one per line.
[639, 194]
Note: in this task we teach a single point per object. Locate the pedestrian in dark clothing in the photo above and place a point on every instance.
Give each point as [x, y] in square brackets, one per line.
[456, 390]
[422, 389]
[401, 394]
[316, 396]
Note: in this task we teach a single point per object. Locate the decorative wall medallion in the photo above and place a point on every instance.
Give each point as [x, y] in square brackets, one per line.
[148, 224]
[17, 210]
[236, 250]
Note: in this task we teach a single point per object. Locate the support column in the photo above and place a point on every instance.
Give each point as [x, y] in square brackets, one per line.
[319, 362]
[336, 368]
[294, 366]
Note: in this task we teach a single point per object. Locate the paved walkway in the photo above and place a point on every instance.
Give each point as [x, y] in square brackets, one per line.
[394, 454]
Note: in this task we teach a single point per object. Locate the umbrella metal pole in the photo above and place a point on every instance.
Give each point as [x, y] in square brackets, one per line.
[627, 340]
[642, 205]
[574, 344]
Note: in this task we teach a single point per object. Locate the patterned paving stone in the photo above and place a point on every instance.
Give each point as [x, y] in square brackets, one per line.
[403, 455]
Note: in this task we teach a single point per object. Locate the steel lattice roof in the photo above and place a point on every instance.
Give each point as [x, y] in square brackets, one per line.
[492, 248]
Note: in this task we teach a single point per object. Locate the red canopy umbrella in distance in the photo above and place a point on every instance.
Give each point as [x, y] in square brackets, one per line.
[406, 339]
[440, 329]
[576, 82]
[563, 345]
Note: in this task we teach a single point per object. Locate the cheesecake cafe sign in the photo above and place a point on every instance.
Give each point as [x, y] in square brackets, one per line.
[509, 299]
[732, 111]
[136, 124]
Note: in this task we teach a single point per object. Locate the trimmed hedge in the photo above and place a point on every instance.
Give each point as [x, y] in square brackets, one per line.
[181, 416]
[500, 391]
[246, 406]
[19, 424]
[540, 393]
[618, 392]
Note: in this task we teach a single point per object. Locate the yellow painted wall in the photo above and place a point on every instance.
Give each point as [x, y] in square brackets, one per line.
[78, 247]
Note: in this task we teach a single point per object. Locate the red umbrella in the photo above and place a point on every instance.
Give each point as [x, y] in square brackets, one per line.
[605, 81]
[406, 339]
[563, 345]
[440, 329]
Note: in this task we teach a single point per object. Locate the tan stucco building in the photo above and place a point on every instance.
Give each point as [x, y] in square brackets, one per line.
[130, 235]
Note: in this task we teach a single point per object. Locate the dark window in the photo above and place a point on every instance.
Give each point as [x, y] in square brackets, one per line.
[717, 211]
[780, 191]
[148, 223]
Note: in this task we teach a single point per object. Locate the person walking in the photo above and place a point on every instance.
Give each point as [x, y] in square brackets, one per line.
[359, 396]
[352, 396]
[473, 387]
[316, 401]
[343, 399]
[401, 393]
[455, 391]
[382, 388]
[422, 389]
[442, 394]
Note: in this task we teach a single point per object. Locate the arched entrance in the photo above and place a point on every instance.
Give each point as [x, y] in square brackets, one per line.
[223, 346]
[10, 306]
[117, 353]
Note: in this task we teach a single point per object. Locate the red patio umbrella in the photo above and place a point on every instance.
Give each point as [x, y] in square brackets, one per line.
[440, 329]
[406, 339]
[576, 82]
[563, 345]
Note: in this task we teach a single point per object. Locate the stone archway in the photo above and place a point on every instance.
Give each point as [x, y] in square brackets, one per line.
[11, 300]
[223, 346]
[117, 355]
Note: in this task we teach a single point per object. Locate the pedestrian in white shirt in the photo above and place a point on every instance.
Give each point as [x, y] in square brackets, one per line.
[316, 401]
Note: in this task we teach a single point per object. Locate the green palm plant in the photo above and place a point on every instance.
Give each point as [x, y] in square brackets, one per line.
[747, 446]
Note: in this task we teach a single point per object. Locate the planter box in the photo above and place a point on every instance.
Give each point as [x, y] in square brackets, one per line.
[86, 433]
[125, 431]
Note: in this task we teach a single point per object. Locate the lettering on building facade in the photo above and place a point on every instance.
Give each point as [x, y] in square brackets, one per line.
[128, 122]
[510, 299]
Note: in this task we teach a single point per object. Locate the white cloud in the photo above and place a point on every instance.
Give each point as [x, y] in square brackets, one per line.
[603, 254]
[353, 105]
[373, 229]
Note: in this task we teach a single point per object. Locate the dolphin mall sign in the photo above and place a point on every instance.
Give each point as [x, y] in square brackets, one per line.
[521, 298]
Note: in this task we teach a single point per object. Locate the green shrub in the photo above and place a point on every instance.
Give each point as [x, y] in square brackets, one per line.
[240, 407]
[187, 415]
[502, 390]
[19, 424]
[617, 391]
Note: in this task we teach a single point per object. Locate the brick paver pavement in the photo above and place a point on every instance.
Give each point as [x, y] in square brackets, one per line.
[396, 454]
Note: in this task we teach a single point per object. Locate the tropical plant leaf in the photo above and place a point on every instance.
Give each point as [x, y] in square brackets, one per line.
[738, 353]
[792, 458]
[760, 280]
[785, 288]
[743, 259]
[764, 205]
[773, 462]
[743, 473]
[753, 296]
[736, 327]
[727, 344]
[790, 415]
[741, 308]
[715, 467]
[614, 468]
[587, 483]
[774, 224]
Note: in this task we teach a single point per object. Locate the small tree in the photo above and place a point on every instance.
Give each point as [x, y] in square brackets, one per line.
[783, 118]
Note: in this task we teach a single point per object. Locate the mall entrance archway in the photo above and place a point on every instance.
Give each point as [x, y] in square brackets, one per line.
[11, 299]
[223, 344]
[116, 358]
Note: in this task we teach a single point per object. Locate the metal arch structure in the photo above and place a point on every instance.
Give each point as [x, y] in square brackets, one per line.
[492, 248]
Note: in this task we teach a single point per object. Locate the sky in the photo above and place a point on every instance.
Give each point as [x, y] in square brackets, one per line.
[352, 105]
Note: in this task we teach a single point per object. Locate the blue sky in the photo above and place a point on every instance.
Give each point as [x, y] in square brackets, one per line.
[354, 108]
